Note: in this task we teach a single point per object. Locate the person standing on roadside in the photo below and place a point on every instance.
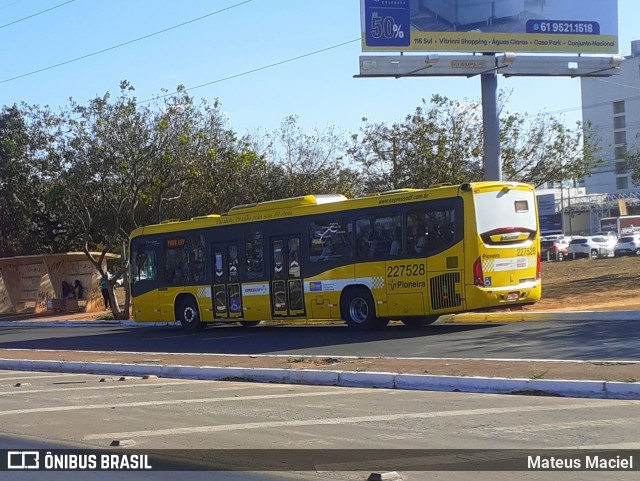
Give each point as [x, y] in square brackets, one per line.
[104, 288]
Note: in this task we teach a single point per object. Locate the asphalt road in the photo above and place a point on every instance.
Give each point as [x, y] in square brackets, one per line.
[62, 410]
[584, 340]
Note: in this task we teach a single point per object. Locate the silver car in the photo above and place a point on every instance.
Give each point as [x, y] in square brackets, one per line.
[628, 245]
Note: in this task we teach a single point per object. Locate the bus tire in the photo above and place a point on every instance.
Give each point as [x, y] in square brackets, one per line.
[358, 310]
[189, 315]
[415, 322]
[249, 323]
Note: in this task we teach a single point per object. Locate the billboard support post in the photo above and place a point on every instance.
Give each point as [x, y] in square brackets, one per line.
[490, 125]
[490, 27]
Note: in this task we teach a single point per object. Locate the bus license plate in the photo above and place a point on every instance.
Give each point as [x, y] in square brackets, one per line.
[513, 296]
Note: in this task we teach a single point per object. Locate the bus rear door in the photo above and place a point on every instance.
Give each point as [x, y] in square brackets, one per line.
[227, 298]
[287, 295]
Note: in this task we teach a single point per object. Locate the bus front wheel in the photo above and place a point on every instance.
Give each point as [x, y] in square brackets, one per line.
[189, 315]
[358, 310]
[415, 322]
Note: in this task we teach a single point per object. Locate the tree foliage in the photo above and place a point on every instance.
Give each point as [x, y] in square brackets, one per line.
[442, 142]
[308, 163]
[633, 163]
[544, 149]
[28, 221]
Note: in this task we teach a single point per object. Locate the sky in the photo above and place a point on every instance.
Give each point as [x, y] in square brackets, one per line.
[244, 35]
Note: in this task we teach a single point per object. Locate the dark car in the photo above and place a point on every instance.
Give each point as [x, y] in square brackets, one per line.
[555, 249]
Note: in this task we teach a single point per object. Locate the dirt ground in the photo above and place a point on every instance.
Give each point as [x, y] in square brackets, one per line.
[591, 284]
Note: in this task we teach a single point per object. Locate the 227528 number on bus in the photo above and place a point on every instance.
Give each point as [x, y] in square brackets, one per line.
[406, 270]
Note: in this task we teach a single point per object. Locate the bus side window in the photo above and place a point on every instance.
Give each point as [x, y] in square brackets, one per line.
[430, 230]
[143, 265]
[363, 238]
[412, 233]
[254, 254]
[395, 249]
[176, 261]
[378, 237]
[330, 239]
[197, 260]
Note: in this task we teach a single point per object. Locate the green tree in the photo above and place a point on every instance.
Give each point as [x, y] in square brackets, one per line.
[106, 164]
[441, 142]
[116, 165]
[27, 225]
[544, 149]
[633, 162]
[308, 163]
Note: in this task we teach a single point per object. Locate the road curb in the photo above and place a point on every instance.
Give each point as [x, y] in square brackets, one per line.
[486, 385]
[523, 316]
[87, 323]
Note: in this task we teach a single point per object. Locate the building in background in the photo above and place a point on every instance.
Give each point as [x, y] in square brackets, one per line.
[612, 107]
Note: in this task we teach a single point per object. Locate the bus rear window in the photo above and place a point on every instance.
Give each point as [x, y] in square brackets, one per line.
[521, 206]
[506, 217]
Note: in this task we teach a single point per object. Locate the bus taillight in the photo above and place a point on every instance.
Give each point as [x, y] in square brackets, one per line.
[539, 268]
[478, 277]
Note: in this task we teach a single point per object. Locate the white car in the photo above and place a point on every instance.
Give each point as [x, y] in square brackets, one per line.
[596, 246]
[628, 245]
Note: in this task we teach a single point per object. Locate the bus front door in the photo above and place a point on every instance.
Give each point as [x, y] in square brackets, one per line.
[227, 299]
[287, 295]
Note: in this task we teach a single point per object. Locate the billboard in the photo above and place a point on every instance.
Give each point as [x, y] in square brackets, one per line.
[546, 204]
[561, 26]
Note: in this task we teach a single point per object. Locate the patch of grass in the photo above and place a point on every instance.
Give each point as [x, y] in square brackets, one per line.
[296, 360]
[329, 360]
[538, 374]
[631, 379]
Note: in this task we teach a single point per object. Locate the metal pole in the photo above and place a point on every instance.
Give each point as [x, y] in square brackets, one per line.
[491, 126]
[570, 221]
[562, 207]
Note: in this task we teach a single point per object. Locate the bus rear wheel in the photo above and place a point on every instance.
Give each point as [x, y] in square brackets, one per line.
[415, 322]
[249, 323]
[189, 315]
[358, 310]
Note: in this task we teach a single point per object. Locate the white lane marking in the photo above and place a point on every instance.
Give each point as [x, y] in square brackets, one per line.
[52, 375]
[558, 426]
[118, 386]
[618, 446]
[353, 420]
[234, 399]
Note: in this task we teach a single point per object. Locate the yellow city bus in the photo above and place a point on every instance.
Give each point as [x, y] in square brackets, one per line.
[409, 255]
